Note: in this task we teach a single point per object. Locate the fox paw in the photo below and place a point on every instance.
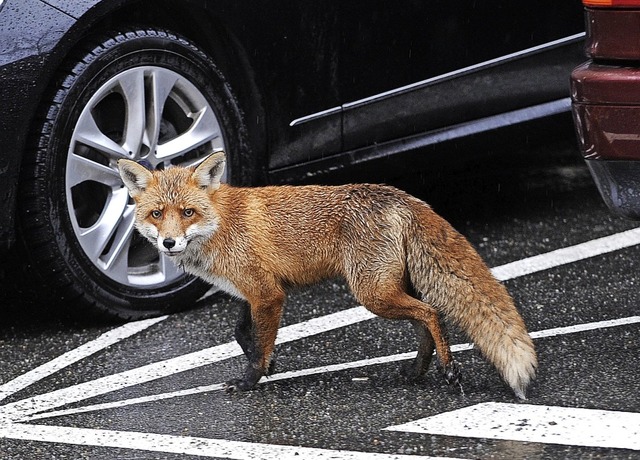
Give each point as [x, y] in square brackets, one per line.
[452, 374]
[238, 385]
[251, 377]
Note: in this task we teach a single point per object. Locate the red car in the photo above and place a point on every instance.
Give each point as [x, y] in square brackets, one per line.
[605, 94]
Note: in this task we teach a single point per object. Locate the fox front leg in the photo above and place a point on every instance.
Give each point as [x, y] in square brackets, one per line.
[256, 333]
[245, 335]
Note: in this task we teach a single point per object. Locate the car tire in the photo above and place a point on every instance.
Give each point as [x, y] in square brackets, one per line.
[146, 94]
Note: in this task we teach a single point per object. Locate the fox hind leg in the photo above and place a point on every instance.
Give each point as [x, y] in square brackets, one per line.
[419, 366]
[392, 302]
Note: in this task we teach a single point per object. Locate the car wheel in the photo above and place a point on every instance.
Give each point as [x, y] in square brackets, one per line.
[143, 94]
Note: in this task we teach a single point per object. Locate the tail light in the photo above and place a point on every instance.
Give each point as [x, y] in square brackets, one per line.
[611, 3]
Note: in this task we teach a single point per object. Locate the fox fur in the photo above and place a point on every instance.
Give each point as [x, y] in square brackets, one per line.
[400, 259]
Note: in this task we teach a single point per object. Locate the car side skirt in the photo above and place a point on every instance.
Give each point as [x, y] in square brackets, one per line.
[421, 141]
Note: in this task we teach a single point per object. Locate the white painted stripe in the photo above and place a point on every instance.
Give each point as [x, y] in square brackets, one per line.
[320, 370]
[323, 324]
[567, 255]
[184, 445]
[118, 381]
[82, 391]
[543, 424]
[123, 403]
[105, 340]
[585, 327]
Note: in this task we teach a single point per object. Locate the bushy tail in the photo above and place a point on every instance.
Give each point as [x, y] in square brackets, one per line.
[450, 275]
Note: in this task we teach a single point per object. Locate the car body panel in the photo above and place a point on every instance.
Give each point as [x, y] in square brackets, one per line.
[24, 59]
[464, 60]
[613, 34]
[606, 107]
[606, 83]
[472, 93]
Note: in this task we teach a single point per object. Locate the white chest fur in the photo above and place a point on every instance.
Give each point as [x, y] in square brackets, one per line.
[219, 281]
[197, 268]
[224, 284]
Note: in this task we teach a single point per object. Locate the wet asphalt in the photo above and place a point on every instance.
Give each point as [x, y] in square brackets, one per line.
[518, 204]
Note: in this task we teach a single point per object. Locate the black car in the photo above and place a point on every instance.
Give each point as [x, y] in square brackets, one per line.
[286, 88]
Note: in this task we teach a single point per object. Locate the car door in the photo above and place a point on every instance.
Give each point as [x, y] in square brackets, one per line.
[416, 66]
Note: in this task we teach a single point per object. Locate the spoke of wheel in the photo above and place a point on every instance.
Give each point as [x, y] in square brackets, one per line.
[95, 238]
[168, 268]
[161, 84]
[203, 129]
[81, 169]
[116, 261]
[88, 133]
[132, 85]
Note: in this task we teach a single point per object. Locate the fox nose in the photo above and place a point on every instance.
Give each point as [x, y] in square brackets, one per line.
[169, 243]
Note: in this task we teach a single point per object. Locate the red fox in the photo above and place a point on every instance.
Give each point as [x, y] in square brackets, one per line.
[399, 258]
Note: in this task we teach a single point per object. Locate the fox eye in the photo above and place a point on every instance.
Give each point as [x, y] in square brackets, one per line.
[156, 214]
[189, 212]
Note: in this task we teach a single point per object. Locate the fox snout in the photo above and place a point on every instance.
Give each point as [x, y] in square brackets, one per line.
[171, 246]
[169, 243]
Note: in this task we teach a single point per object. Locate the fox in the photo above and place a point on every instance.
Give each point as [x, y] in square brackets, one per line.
[399, 258]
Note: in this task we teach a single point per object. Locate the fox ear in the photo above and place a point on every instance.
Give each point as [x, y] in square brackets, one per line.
[208, 173]
[135, 177]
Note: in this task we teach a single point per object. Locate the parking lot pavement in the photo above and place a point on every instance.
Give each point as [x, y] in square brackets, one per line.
[153, 389]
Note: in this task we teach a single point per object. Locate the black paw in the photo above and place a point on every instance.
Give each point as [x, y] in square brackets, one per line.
[452, 374]
[238, 385]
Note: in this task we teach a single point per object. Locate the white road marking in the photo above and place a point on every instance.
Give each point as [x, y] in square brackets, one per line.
[318, 370]
[585, 327]
[105, 340]
[205, 447]
[122, 403]
[107, 384]
[567, 255]
[530, 423]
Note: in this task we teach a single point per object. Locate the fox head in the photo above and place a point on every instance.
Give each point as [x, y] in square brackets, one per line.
[174, 206]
